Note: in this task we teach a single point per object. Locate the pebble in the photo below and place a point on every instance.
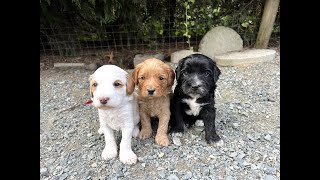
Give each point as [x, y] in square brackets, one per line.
[270, 177]
[267, 137]
[188, 175]
[44, 171]
[176, 141]
[173, 177]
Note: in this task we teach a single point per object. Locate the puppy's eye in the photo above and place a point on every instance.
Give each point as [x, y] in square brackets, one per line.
[161, 78]
[116, 84]
[94, 84]
[207, 73]
[142, 77]
[185, 73]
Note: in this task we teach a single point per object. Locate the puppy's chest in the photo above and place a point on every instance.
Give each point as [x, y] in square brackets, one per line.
[194, 107]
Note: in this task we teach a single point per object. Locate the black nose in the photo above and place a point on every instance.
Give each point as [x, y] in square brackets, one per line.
[195, 86]
[104, 100]
[151, 91]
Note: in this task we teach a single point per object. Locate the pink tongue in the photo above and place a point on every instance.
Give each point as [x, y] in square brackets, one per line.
[89, 102]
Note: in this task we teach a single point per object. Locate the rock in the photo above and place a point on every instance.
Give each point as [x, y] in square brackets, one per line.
[173, 177]
[66, 65]
[245, 57]
[178, 55]
[94, 165]
[162, 175]
[250, 137]
[199, 123]
[188, 175]
[176, 141]
[161, 154]
[267, 137]
[139, 58]
[220, 40]
[93, 66]
[44, 171]
[233, 154]
[63, 176]
[270, 177]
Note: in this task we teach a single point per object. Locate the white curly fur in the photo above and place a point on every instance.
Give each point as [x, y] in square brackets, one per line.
[119, 113]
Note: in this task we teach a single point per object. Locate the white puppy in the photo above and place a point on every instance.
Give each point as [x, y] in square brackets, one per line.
[111, 90]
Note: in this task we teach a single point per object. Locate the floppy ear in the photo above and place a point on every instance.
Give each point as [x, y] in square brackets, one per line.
[130, 84]
[178, 69]
[171, 75]
[216, 73]
[135, 73]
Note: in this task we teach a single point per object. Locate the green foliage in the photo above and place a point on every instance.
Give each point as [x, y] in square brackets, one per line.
[92, 20]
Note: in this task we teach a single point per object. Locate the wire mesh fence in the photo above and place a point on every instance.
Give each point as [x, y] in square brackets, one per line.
[170, 31]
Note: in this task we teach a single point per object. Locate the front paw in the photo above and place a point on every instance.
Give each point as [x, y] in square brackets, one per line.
[162, 140]
[128, 157]
[214, 139]
[145, 133]
[109, 153]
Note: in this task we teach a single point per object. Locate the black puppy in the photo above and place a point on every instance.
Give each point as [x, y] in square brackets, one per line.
[193, 97]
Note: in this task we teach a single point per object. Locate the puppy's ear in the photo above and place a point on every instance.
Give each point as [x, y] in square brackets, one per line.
[171, 76]
[135, 73]
[178, 69]
[91, 87]
[216, 73]
[130, 84]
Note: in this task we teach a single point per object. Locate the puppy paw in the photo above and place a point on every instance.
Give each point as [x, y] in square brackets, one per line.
[213, 139]
[135, 132]
[178, 134]
[100, 131]
[109, 153]
[145, 133]
[162, 140]
[128, 157]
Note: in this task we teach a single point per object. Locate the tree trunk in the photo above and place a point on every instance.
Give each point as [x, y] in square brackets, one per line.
[266, 25]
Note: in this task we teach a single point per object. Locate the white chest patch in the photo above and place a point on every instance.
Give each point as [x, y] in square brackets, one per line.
[195, 107]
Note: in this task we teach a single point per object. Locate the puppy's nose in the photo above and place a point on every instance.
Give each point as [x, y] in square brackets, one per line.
[151, 91]
[104, 100]
[195, 86]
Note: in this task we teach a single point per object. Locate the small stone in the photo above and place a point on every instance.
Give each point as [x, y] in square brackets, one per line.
[199, 123]
[120, 174]
[176, 141]
[92, 66]
[270, 177]
[250, 137]
[94, 165]
[143, 164]
[173, 177]
[234, 154]
[140, 159]
[161, 154]
[188, 175]
[63, 176]
[235, 124]
[267, 137]
[241, 155]
[44, 171]
[89, 135]
[162, 175]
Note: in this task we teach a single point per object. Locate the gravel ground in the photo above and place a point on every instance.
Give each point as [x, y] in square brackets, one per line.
[248, 120]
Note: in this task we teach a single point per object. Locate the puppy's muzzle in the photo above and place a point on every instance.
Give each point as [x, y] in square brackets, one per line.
[151, 91]
[104, 100]
[195, 87]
